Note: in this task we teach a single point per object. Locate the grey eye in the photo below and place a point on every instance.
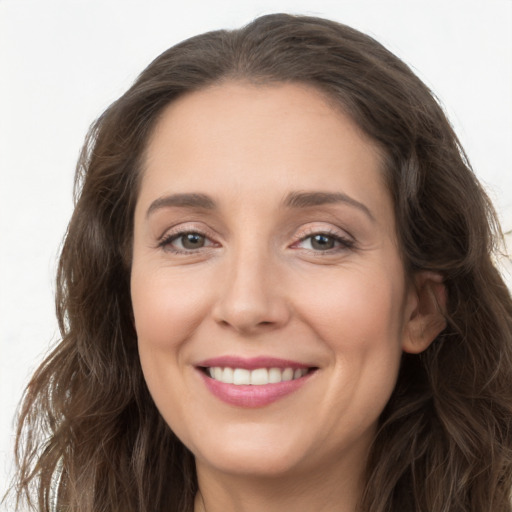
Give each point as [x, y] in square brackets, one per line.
[322, 242]
[192, 240]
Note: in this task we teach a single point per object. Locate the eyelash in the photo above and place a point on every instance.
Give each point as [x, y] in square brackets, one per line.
[166, 241]
[345, 243]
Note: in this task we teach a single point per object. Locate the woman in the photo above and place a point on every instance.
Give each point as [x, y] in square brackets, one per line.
[276, 293]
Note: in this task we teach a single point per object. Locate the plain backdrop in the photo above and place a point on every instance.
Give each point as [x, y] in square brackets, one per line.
[63, 62]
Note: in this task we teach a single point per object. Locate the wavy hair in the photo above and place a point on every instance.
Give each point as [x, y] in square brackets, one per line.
[90, 438]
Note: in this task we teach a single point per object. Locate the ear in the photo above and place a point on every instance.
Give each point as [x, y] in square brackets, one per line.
[425, 312]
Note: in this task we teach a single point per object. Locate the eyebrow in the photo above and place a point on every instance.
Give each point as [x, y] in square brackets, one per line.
[292, 200]
[183, 201]
[309, 199]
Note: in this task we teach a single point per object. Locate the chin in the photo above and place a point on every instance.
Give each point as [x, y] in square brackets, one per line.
[253, 463]
[256, 456]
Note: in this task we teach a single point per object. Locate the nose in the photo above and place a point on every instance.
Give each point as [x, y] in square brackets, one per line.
[251, 298]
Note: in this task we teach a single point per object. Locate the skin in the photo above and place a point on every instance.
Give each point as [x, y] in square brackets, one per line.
[259, 286]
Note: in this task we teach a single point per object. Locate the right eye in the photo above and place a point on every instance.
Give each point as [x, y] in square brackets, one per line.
[185, 242]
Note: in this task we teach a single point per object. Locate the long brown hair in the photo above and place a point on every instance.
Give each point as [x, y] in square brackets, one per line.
[90, 437]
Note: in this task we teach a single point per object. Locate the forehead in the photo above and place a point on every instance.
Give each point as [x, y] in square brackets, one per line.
[260, 140]
[228, 105]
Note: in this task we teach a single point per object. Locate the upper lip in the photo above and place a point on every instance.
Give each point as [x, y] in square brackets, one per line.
[251, 363]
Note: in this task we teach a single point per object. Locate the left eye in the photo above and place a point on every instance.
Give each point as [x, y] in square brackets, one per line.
[322, 242]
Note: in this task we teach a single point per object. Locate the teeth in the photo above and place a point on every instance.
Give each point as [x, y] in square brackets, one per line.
[257, 377]
[274, 375]
[287, 374]
[240, 376]
[228, 375]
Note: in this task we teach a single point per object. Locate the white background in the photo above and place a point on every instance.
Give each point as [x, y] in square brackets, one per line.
[62, 62]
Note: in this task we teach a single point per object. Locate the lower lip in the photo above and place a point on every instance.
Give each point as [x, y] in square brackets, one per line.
[253, 396]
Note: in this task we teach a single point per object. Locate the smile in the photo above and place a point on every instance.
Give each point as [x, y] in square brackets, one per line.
[255, 382]
[257, 377]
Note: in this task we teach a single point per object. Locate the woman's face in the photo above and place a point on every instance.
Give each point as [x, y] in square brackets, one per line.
[265, 250]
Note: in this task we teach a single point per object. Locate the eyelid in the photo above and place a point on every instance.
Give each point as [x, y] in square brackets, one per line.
[181, 229]
[340, 235]
[186, 227]
[346, 240]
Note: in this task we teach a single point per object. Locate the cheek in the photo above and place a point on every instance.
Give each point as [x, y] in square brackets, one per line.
[359, 316]
[166, 309]
[356, 307]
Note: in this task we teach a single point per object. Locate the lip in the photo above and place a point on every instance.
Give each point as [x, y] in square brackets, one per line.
[251, 363]
[247, 396]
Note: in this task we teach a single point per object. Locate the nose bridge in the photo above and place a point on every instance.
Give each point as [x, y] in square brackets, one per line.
[250, 297]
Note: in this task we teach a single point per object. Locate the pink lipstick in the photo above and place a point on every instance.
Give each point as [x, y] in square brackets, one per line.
[253, 382]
